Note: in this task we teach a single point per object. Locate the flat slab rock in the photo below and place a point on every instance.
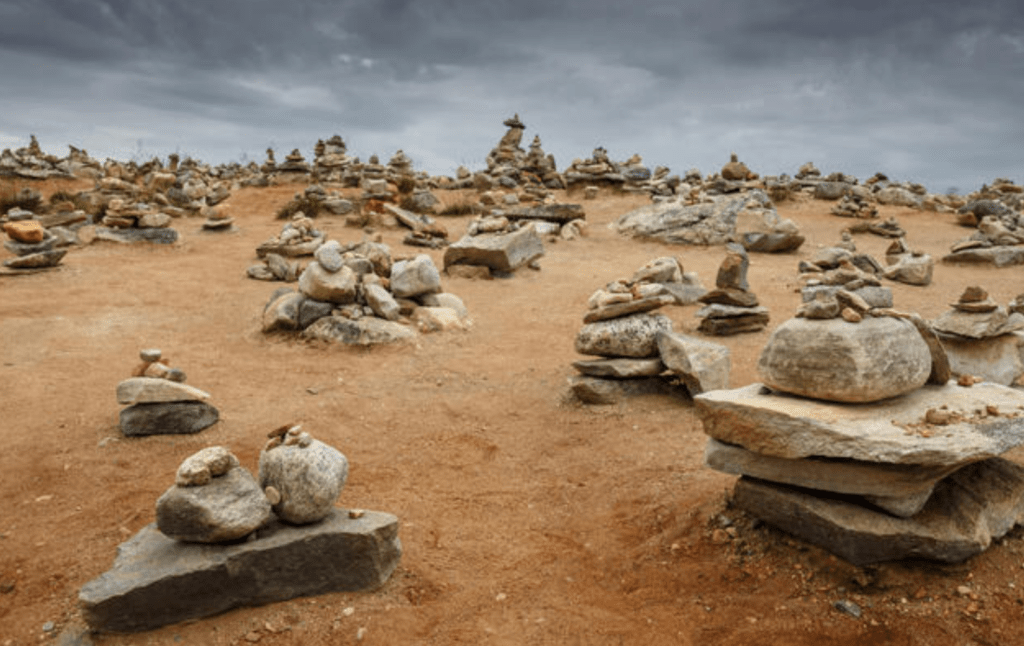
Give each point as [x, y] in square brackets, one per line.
[499, 251]
[167, 418]
[998, 256]
[999, 360]
[969, 509]
[620, 368]
[786, 426]
[366, 331]
[128, 236]
[157, 581]
[900, 489]
[598, 391]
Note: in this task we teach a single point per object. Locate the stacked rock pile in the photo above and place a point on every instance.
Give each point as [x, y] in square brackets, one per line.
[982, 338]
[134, 222]
[159, 402]
[907, 266]
[298, 237]
[631, 175]
[843, 265]
[509, 166]
[424, 229]
[731, 308]
[856, 441]
[999, 237]
[31, 162]
[852, 205]
[749, 219]
[639, 353]
[232, 541]
[356, 295]
[30, 242]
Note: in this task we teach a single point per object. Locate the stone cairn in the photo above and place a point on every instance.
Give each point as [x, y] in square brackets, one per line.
[858, 442]
[356, 295]
[31, 162]
[637, 349]
[997, 212]
[983, 339]
[30, 242]
[219, 529]
[138, 221]
[731, 308]
[159, 402]
[841, 264]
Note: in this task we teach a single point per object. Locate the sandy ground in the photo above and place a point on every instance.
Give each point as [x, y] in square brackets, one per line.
[525, 518]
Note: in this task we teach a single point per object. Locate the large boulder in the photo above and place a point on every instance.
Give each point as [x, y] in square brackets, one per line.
[835, 360]
[167, 418]
[702, 365]
[504, 252]
[368, 330]
[229, 507]
[308, 478]
[415, 277]
[329, 286]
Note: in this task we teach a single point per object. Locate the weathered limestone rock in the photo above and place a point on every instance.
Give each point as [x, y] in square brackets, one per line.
[368, 330]
[414, 277]
[598, 391]
[978, 325]
[702, 365]
[308, 478]
[968, 510]
[835, 360]
[884, 485]
[912, 269]
[227, 508]
[630, 336]
[892, 430]
[25, 231]
[37, 260]
[439, 319]
[620, 368]
[997, 256]
[164, 235]
[148, 390]
[998, 359]
[381, 302]
[167, 418]
[282, 312]
[157, 581]
[503, 252]
[332, 287]
[445, 299]
[636, 306]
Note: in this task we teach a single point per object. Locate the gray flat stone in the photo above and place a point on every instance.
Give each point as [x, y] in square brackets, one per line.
[368, 330]
[128, 236]
[306, 248]
[618, 310]
[331, 287]
[968, 510]
[36, 260]
[157, 581]
[729, 325]
[382, 302]
[978, 325]
[888, 486]
[414, 277]
[148, 390]
[998, 256]
[785, 426]
[167, 418]
[595, 390]
[631, 336]
[702, 365]
[835, 360]
[620, 368]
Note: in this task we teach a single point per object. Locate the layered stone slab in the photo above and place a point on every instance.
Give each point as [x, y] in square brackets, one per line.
[785, 426]
[899, 489]
[504, 252]
[157, 581]
[998, 359]
[151, 390]
[969, 509]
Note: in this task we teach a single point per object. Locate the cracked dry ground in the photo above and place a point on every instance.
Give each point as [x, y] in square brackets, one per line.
[525, 519]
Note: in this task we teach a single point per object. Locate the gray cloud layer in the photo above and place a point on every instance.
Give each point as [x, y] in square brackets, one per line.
[920, 90]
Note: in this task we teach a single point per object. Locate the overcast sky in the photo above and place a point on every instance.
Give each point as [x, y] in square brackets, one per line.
[923, 90]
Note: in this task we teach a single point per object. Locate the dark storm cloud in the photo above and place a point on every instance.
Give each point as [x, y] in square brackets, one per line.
[922, 90]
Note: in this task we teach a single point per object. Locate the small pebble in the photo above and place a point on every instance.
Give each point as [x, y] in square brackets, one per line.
[360, 634]
[273, 495]
[176, 374]
[355, 513]
[48, 627]
[150, 354]
[848, 607]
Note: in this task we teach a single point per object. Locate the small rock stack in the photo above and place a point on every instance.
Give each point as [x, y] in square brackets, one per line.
[495, 244]
[907, 266]
[356, 295]
[857, 441]
[982, 338]
[33, 245]
[158, 401]
[852, 205]
[637, 347]
[299, 237]
[732, 308]
[230, 541]
[137, 222]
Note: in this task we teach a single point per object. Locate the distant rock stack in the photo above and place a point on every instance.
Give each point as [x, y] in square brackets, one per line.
[298, 237]
[637, 349]
[858, 442]
[136, 222]
[356, 295]
[497, 245]
[907, 266]
[982, 338]
[731, 308]
[998, 214]
[159, 402]
[33, 244]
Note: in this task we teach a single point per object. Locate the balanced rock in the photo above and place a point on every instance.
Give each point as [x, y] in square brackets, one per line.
[893, 430]
[620, 368]
[38, 260]
[227, 508]
[630, 336]
[307, 478]
[25, 231]
[148, 390]
[503, 252]
[320, 284]
[598, 391]
[836, 360]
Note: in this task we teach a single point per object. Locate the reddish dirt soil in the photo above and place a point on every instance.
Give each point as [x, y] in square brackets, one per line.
[525, 518]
